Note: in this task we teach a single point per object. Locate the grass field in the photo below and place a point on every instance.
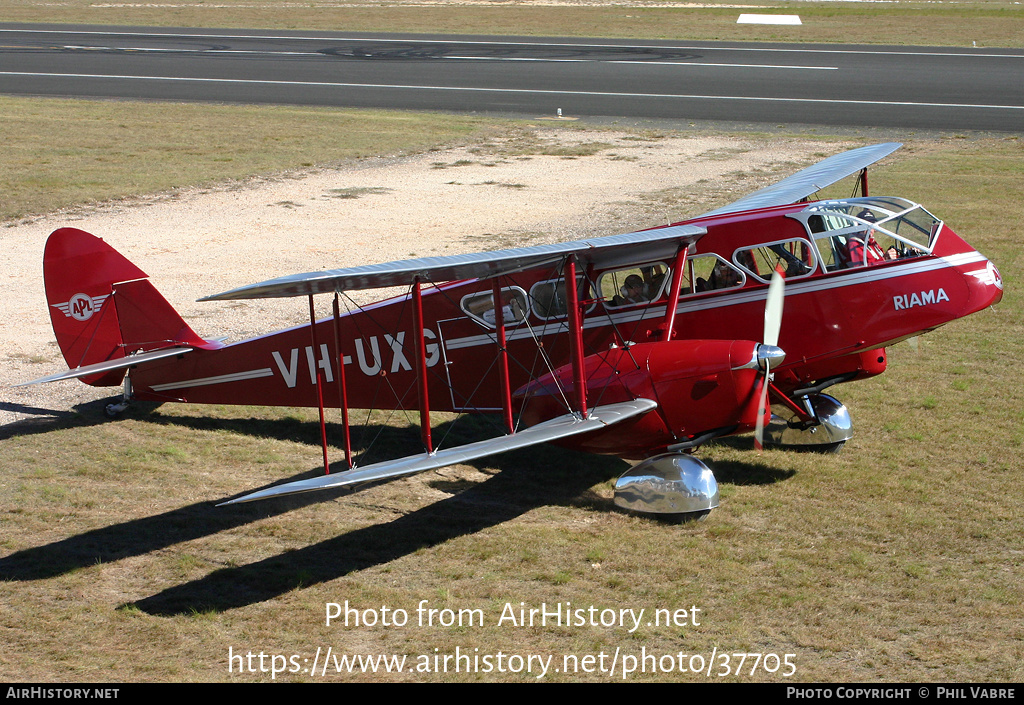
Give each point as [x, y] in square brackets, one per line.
[899, 559]
[112, 151]
[985, 23]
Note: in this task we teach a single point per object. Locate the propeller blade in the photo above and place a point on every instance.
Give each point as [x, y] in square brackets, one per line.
[759, 427]
[773, 308]
[772, 326]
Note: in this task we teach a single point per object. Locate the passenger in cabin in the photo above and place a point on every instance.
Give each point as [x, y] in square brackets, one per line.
[655, 283]
[482, 306]
[508, 315]
[723, 277]
[632, 292]
[745, 259]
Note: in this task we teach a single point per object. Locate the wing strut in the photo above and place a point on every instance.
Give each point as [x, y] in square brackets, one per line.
[342, 386]
[499, 329]
[319, 384]
[673, 293]
[421, 364]
[575, 336]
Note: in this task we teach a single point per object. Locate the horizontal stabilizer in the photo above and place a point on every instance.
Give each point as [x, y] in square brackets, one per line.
[561, 427]
[811, 180]
[118, 364]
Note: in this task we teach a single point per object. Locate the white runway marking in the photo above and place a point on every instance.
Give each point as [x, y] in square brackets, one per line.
[528, 91]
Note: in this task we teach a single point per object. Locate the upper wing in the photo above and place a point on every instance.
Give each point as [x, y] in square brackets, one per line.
[812, 179]
[656, 243]
[560, 427]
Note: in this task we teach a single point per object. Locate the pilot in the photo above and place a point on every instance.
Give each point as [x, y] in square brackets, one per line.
[862, 248]
[632, 292]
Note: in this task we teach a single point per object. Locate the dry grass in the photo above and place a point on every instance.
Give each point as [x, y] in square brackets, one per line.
[984, 22]
[899, 559]
[59, 153]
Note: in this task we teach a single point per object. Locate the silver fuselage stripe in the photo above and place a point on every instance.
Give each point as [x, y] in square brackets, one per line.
[219, 379]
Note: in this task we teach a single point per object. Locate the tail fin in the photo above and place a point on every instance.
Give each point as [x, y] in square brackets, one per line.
[103, 307]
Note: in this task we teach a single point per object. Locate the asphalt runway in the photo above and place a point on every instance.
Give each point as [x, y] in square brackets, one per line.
[901, 87]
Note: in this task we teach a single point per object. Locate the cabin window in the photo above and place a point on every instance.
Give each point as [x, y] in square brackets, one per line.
[480, 306]
[634, 285]
[548, 297]
[710, 273]
[867, 231]
[795, 257]
[833, 250]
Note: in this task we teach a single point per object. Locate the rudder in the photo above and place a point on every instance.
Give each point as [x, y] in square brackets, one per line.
[102, 306]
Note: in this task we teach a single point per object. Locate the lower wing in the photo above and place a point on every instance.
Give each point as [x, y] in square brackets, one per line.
[560, 427]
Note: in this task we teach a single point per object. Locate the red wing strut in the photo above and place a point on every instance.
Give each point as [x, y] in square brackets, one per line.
[561, 427]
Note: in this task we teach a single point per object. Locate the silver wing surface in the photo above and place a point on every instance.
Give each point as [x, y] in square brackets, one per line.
[560, 427]
[118, 364]
[655, 243]
[809, 181]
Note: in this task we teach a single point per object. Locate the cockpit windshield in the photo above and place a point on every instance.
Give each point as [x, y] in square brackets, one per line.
[857, 232]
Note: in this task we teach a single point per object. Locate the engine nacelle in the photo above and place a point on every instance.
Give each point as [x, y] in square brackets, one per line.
[700, 386]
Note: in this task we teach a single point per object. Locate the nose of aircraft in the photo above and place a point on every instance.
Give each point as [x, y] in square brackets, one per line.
[984, 286]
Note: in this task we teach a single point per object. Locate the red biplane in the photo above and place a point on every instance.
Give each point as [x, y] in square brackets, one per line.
[644, 345]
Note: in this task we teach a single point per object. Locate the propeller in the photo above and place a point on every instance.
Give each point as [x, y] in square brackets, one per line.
[769, 352]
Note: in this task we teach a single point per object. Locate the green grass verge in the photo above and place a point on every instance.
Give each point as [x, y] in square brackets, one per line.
[60, 153]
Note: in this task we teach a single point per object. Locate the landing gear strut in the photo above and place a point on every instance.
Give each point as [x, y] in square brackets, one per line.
[113, 411]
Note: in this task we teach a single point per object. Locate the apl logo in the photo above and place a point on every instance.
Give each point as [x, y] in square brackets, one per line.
[81, 307]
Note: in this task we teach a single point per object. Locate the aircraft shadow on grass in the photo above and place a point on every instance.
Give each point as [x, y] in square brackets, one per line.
[41, 420]
[524, 480]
